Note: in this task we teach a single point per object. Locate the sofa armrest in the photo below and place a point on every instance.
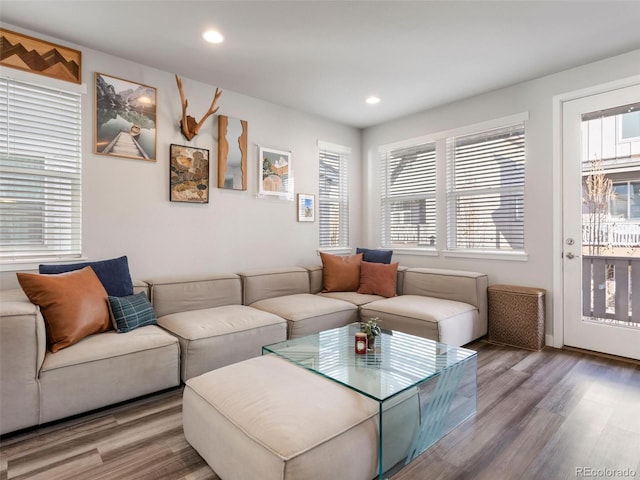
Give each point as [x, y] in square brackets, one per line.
[22, 348]
[140, 286]
[315, 278]
[458, 285]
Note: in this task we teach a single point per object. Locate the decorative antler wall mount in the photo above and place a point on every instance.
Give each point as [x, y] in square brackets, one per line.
[188, 124]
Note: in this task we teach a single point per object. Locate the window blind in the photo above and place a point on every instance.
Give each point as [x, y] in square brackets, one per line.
[408, 196]
[40, 172]
[333, 201]
[485, 190]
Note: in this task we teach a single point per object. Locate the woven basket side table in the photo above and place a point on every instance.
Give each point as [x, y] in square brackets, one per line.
[516, 316]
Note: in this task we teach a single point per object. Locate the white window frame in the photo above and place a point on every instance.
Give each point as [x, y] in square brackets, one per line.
[620, 126]
[427, 193]
[629, 195]
[484, 166]
[440, 139]
[40, 162]
[340, 198]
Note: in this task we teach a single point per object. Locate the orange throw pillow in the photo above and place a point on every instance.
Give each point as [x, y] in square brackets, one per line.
[340, 274]
[378, 279]
[74, 304]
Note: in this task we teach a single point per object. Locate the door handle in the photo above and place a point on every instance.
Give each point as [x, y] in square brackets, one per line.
[570, 256]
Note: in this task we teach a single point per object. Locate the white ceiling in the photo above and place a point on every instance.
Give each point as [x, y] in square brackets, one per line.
[326, 57]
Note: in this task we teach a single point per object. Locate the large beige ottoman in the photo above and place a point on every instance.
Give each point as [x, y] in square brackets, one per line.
[267, 418]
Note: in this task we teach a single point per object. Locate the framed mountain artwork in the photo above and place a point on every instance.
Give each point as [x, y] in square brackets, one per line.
[39, 56]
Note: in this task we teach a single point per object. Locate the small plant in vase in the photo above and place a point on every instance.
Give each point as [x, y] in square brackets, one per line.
[372, 330]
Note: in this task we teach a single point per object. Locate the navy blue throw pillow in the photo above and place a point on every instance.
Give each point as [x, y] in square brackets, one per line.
[113, 274]
[131, 312]
[375, 256]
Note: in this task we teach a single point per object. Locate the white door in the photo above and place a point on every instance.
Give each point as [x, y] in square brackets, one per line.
[601, 222]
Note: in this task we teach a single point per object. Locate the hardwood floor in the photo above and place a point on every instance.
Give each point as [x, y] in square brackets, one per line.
[541, 415]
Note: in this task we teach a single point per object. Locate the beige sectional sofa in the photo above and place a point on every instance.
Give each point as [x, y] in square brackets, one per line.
[205, 322]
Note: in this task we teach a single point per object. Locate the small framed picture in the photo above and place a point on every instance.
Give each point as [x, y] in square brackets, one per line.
[189, 174]
[275, 173]
[306, 208]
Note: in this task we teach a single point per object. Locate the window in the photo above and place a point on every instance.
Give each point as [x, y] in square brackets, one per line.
[40, 172]
[625, 201]
[630, 124]
[333, 201]
[408, 191]
[485, 190]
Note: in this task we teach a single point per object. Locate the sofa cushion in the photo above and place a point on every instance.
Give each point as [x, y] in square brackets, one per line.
[356, 298]
[340, 273]
[73, 304]
[375, 256]
[378, 279]
[174, 294]
[446, 321]
[113, 273]
[131, 312]
[214, 337]
[308, 313]
[263, 283]
[107, 368]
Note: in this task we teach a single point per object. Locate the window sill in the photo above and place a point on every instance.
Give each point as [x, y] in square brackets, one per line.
[491, 255]
[336, 250]
[431, 252]
[20, 265]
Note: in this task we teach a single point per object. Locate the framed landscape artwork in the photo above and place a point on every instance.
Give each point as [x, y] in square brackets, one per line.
[306, 208]
[275, 173]
[189, 174]
[125, 118]
[38, 56]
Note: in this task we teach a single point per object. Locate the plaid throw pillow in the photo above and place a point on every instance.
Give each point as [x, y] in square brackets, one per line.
[131, 312]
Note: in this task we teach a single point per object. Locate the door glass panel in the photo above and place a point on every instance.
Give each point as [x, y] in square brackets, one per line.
[610, 217]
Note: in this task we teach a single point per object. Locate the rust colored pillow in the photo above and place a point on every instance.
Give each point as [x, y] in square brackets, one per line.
[74, 304]
[378, 279]
[340, 274]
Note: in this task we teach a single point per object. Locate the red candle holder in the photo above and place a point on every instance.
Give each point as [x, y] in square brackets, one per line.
[361, 342]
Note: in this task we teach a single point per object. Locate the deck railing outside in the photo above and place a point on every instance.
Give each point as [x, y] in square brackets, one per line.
[611, 281]
[612, 234]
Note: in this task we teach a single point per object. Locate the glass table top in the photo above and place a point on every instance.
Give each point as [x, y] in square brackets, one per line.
[400, 361]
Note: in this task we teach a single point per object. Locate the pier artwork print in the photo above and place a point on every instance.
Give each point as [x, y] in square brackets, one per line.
[125, 118]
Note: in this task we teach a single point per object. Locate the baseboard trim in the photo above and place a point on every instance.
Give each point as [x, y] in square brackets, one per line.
[548, 341]
[602, 355]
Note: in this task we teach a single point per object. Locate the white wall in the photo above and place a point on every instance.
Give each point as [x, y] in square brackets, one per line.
[535, 97]
[126, 207]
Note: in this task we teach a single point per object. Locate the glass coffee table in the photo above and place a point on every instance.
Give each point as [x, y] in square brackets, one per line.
[424, 389]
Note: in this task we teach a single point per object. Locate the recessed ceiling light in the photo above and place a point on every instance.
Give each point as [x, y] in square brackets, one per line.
[372, 100]
[213, 36]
